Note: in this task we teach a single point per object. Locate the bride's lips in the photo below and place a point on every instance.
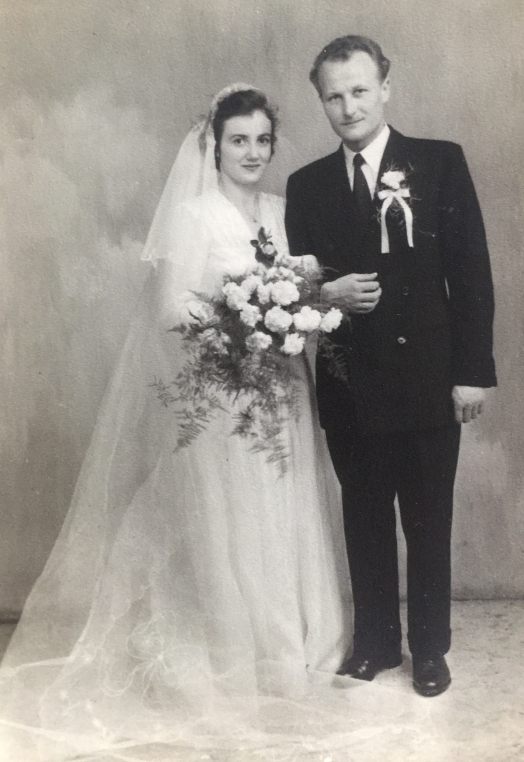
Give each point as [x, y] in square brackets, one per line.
[251, 166]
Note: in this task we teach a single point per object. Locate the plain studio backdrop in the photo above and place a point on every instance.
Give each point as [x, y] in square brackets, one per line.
[98, 96]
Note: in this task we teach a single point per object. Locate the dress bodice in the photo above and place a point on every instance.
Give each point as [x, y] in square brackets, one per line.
[212, 240]
[226, 235]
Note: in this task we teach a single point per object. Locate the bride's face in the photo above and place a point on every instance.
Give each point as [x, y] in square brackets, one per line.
[245, 148]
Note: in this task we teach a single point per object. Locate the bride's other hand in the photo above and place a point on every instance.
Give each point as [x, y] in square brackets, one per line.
[193, 312]
[310, 264]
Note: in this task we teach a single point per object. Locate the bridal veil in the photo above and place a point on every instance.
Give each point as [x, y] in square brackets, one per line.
[192, 600]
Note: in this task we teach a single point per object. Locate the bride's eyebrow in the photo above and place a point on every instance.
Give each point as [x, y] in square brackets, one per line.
[241, 135]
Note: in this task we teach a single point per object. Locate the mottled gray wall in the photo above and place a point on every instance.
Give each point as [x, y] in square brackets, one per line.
[98, 96]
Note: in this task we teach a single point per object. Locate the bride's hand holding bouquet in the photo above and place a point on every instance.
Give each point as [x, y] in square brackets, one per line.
[240, 344]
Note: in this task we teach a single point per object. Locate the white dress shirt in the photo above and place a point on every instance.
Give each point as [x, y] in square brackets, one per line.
[372, 155]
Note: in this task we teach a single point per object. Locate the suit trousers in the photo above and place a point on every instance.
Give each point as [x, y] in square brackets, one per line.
[418, 467]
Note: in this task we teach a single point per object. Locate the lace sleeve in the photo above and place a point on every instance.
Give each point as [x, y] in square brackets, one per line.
[184, 265]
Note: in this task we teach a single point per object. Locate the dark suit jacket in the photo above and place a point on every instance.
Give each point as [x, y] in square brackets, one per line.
[432, 328]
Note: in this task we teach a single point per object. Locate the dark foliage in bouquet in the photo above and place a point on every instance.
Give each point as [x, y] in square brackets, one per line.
[240, 350]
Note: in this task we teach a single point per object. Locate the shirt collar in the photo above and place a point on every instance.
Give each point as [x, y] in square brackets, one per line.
[372, 154]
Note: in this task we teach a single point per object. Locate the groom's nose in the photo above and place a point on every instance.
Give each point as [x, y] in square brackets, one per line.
[349, 105]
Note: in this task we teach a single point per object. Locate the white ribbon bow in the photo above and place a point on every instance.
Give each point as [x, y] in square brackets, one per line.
[388, 195]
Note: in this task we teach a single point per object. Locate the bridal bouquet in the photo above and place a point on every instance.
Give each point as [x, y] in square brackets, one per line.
[240, 347]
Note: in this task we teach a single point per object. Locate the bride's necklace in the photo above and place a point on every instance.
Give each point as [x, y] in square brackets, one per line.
[255, 212]
[248, 205]
[256, 209]
[251, 212]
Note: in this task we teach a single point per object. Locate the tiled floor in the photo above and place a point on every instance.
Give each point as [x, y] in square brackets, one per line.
[480, 719]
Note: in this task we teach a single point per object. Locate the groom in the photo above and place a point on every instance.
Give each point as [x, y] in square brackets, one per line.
[397, 225]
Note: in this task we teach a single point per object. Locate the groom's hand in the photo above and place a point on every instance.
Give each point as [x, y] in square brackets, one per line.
[358, 292]
[468, 402]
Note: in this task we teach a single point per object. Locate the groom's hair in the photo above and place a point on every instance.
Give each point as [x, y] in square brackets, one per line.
[343, 48]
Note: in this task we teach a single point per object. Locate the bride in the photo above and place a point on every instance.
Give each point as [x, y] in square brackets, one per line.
[191, 594]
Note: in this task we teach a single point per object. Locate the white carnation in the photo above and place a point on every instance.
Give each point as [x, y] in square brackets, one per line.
[236, 301]
[258, 341]
[285, 273]
[293, 344]
[393, 178]
[307, 319]
[263, 293]
[250, 315]
[250, 284]
[331, 320]
[278, 320]
[284, 292]
[235, 297]
[230, 288]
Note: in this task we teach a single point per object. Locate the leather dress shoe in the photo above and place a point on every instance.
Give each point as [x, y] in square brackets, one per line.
[365, 668]
[431, 676]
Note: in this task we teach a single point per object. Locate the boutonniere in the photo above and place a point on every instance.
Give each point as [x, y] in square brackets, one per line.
[394, 191]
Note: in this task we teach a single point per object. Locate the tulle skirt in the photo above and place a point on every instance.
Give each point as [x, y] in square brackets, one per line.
[194, 597]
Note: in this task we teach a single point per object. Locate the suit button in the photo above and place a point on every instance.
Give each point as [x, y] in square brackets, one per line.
[405, 290]
[401, 339]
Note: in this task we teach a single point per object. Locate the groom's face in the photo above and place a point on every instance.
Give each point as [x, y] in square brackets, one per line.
[354, 96]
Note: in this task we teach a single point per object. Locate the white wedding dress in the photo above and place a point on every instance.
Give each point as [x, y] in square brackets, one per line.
[193, 598]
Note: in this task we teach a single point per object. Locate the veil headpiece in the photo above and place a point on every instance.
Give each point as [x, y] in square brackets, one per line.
[193, 173]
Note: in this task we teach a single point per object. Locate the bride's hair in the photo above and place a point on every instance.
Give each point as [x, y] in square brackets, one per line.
[242, 103]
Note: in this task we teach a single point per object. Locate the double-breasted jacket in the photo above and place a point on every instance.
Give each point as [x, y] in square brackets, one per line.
[432, 327]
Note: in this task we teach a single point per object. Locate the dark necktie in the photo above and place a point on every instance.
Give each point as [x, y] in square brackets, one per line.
[361, 192]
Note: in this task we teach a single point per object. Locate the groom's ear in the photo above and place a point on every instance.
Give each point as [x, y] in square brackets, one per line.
[386, 90]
